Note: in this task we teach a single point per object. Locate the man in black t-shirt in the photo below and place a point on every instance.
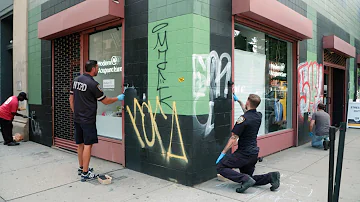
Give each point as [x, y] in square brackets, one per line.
[84, 95]
[245, 157]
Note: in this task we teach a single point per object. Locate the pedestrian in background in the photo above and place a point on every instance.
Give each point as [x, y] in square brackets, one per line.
[8, 110]
[321, 120]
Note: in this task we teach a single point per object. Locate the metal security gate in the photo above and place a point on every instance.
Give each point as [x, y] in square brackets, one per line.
[333, 58]
[66, 68]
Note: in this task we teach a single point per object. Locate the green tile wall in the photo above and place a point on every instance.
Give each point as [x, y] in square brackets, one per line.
[312, 43]
[344, 13]
[164, 9]
[34, 51]
[186, 35]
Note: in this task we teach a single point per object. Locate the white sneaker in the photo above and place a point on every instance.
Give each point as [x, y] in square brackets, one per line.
[88, 176]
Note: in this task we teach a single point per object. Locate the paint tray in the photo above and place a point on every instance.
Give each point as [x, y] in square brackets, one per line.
[104, 179]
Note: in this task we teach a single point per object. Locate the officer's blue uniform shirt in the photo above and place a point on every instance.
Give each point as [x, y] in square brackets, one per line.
[87, 93]
[247, 128]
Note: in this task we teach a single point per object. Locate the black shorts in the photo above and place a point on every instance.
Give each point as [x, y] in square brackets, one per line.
[85, 133]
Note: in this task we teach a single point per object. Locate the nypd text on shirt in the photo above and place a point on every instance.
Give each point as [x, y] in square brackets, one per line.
[80, 86]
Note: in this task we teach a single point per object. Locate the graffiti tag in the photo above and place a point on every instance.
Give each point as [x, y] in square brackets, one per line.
[162, 48]
[155, 134]
[310, 86]
[208, 72]
[35, 127]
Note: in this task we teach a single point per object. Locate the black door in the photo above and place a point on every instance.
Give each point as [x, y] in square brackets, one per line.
[326, 92]
[338, 103]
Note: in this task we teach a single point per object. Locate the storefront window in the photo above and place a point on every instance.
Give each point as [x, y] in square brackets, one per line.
[263, 66]
[105, 47]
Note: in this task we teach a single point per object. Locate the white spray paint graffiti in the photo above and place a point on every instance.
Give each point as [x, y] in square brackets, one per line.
[35, 127]
[207, 74]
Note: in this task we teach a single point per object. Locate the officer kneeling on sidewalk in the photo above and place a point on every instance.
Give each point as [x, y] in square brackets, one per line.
[246, 156]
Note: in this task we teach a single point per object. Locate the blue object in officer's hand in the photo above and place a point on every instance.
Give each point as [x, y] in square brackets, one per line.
[220, 157]
[235, 98]
[311, 134]
[121, 97]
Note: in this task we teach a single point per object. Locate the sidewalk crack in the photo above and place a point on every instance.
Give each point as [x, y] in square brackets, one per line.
[43, 190]
[149, 192]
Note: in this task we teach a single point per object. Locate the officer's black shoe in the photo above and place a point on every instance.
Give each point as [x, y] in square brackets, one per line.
[13, 144]
[246, 185]
[326, 144]
[274, 180]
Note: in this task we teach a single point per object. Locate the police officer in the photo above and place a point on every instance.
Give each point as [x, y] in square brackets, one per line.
[84, 95]
[245, 157]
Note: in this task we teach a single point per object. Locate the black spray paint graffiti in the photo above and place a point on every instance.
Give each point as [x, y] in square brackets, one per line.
[35, 127]
[162, 48]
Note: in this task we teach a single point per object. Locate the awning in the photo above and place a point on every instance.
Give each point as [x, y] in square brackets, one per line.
[339, 46]
[274, 14]
[79, 17]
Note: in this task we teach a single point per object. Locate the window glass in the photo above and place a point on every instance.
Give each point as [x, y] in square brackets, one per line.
[263, 66]
[105, 47]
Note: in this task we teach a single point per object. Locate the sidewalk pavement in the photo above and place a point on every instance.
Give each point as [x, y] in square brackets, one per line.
[35, 173]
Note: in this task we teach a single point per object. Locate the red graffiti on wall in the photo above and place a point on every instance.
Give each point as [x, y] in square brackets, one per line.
[310, 86]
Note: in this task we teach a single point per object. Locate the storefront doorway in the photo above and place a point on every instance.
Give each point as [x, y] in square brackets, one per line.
[99, 37]
[104, 44]
[338, 106]
[335, 87]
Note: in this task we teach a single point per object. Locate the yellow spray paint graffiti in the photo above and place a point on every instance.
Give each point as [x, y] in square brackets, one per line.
[155, 134]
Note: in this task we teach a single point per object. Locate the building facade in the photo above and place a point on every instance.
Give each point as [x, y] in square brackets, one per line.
[6, 57]
[180, 62]
[13, 56]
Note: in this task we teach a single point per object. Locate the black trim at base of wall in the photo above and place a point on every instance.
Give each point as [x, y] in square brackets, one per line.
[40, 128]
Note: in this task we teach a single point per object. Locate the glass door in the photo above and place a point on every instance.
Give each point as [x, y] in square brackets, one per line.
[106, 48]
